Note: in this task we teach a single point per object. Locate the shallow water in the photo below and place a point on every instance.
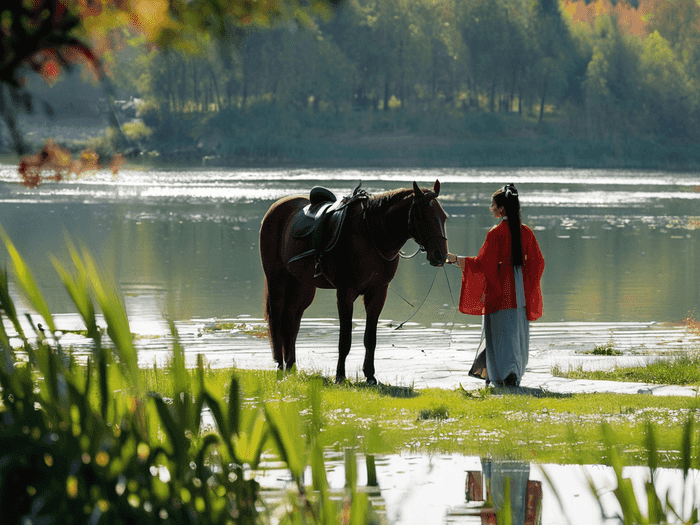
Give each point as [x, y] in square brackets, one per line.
[419, 489]
[618, 245]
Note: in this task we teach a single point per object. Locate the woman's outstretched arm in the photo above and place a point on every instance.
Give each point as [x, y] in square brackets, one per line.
[455, 259]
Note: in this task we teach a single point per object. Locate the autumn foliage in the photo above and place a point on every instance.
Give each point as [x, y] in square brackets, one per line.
[54, 163]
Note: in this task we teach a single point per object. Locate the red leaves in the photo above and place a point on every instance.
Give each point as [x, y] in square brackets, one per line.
[59, 164]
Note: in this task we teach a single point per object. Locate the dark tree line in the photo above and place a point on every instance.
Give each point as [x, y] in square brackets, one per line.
[418, 58]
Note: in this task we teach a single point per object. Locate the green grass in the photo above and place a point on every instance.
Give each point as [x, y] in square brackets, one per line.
[527, 424]
[683, 369]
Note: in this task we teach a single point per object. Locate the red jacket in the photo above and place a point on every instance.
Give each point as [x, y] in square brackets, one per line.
[488, 282]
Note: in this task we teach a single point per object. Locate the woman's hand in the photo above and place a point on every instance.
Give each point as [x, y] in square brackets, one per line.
[451, 258]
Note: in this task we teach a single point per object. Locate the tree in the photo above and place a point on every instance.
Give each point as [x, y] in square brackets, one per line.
[669, 101]
[612, 82]
[49, 36]
[552, 43]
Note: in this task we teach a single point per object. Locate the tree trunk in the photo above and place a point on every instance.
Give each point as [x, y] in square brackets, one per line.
[544, 94]
[8, 115]
[386, 93]
[402, 89]
[215, 87]
[195, 86]
[492, 97]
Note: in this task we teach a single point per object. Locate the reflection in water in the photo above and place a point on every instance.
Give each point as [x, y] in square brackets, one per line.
[491, 486]
[620, 246]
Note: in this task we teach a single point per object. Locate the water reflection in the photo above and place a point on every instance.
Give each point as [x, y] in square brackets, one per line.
[620, 246]
[487, 491]
[419, 489]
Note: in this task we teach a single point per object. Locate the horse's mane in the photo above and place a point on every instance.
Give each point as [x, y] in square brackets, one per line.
[389, 198]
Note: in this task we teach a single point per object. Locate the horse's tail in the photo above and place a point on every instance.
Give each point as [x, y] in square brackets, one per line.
[268, 237]
[266, 300]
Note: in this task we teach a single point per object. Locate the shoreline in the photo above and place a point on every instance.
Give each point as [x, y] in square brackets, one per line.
[424, 357]
[538, 148]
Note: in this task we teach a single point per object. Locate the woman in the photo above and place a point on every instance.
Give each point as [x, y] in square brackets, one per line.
[502, 284]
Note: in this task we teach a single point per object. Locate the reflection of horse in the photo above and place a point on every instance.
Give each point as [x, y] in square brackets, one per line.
[356, 252]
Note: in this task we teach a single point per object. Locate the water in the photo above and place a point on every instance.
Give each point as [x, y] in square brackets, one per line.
[618, 245]
[419, 489]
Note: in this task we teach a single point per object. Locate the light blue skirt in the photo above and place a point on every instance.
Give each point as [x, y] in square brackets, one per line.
[505, 340]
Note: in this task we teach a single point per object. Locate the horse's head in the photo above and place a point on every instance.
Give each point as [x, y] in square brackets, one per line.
[426, 224]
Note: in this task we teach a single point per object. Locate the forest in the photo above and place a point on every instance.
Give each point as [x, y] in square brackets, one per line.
[421, 82]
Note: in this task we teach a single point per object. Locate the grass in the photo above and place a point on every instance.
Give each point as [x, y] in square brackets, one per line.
[682, 369]
[537, 426]
[252, 331]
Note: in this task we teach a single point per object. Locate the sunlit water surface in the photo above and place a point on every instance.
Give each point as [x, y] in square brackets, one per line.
[618, 245]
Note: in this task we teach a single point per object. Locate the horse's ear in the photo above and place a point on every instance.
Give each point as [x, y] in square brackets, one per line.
[417, 193]
[436, 187]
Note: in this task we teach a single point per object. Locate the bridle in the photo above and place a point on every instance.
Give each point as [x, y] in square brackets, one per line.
[416, 227]
[417, 208]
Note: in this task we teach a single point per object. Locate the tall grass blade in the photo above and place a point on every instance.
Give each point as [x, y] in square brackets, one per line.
[505, 513]
[6, 302]
[78, 288]
[26, 282]
[548, 479]
[174, 431]
[624, 491]
[249, 445]
[687, 446]
[350, 470]
[234, 406]
[315, 386]
[285, 429]
[118, 328]
[178, 371]
[652, 449]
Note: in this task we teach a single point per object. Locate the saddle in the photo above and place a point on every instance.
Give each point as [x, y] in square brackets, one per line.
[322, 220]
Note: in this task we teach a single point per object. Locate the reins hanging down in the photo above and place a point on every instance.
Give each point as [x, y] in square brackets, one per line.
[421, 304]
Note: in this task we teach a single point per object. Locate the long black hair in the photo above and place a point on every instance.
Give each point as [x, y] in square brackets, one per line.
[507, 197]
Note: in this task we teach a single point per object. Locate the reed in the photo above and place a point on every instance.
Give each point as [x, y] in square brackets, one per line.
[91, 444]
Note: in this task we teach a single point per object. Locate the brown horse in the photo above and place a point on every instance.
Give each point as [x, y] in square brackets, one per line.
[363, 260]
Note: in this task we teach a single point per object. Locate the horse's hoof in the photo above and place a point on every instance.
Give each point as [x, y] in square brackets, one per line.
[339, 380]
[372, 381]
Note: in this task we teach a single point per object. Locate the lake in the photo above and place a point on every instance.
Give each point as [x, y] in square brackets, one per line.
[620, 250]
[618, 245]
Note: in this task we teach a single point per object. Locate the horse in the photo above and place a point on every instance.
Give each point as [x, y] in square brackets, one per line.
[361, 262]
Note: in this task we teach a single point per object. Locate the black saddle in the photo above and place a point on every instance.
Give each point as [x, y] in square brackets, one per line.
[322, 202]
[322, 220]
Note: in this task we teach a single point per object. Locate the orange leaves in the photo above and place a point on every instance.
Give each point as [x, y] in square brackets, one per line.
[59, 164]
[149, 17]
[633, 20]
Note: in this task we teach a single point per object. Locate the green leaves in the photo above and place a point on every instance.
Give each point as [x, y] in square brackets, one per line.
[78, 287]
[26, 282]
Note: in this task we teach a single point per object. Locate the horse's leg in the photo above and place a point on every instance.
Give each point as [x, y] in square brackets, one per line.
[346, 298]
[374, 303]
[298, 299]
[275, 287]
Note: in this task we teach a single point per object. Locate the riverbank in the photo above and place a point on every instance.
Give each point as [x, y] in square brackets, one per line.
[477, 140]
[421, 357]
